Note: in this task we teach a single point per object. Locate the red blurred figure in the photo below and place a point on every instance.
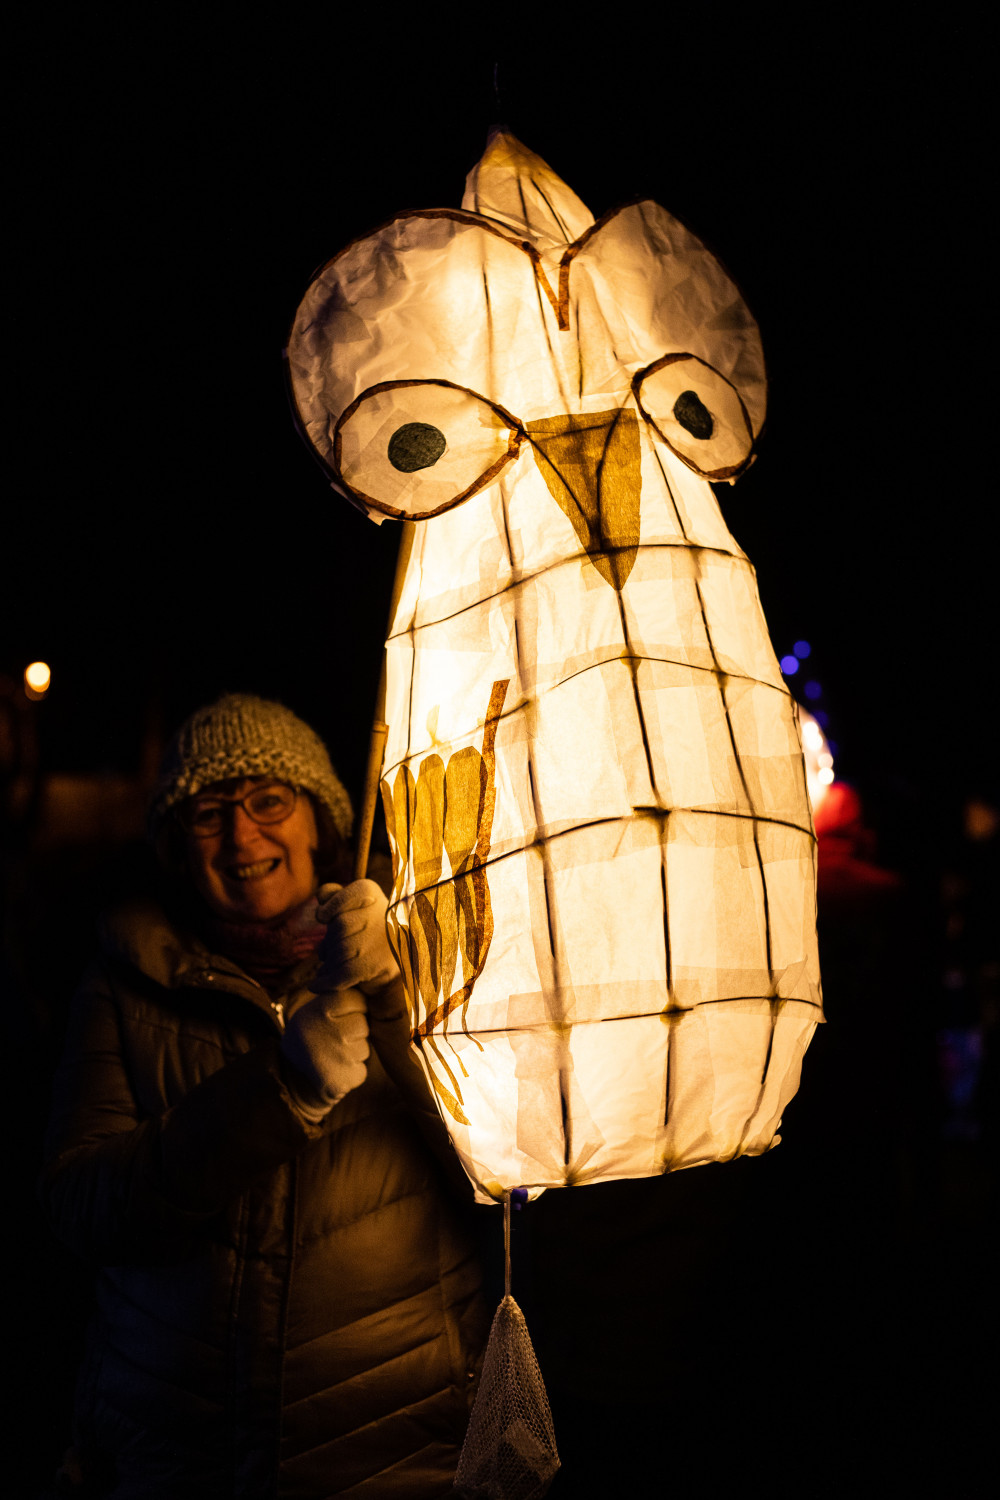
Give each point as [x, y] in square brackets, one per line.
[847, 873]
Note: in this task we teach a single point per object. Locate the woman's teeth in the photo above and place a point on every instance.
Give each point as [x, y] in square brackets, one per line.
[253, 872]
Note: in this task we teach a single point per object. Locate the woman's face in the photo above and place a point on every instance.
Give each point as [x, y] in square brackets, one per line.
[251, 871]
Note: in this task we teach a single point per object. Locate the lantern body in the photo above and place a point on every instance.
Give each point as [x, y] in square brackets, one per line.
[604, 898]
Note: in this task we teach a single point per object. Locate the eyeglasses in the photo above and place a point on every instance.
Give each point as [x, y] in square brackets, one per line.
[205, 816]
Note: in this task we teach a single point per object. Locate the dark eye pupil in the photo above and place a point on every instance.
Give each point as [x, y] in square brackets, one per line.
[416, 445]
[693, 415]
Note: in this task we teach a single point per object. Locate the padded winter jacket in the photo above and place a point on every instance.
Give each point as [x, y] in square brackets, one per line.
[283, 1309]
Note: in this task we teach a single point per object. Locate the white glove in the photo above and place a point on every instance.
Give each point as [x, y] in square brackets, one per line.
[355, 951]
[326, 1042]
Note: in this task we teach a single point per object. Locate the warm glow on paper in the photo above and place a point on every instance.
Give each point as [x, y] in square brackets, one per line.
[604, 900]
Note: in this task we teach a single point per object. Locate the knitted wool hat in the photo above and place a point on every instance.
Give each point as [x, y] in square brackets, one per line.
[241, 735]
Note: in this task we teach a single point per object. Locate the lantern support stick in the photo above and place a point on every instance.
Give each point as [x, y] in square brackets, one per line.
[373, 774]
[380, 729]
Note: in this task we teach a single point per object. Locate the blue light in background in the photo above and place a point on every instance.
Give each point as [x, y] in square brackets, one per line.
[789, 665]
[831, 745]
[822, 719]
[813, 690]
[802, 649]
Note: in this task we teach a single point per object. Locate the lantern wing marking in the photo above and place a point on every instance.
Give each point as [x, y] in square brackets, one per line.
[448, 809]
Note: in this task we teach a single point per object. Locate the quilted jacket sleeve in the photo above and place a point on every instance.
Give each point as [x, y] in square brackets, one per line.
[119, 1187]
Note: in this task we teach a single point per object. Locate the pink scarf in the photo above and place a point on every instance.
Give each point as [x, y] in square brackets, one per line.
[265, 949]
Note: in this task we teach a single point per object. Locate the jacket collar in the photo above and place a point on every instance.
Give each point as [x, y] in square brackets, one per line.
[139, 933]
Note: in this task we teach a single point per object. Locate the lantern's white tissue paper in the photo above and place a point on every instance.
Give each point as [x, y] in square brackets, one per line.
[604, 899]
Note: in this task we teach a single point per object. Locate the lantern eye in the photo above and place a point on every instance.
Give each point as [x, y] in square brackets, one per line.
[414, 448]
[698, 413]
[416, 445]
[693, 416]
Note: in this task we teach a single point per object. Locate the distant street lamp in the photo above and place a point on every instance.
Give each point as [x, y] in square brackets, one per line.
[37, 677]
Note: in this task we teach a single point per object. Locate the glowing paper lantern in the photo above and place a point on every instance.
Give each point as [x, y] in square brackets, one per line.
[604, 900]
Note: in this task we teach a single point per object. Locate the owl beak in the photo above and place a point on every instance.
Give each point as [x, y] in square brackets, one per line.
[591, 464]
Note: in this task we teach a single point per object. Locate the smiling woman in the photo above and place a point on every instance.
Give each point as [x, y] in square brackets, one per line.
[288, 1298]
[251, 847]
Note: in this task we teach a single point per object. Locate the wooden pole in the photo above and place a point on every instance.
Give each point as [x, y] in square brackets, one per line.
[376, 745]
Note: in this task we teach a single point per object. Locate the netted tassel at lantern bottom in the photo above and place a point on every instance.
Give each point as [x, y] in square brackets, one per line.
[509, 1451]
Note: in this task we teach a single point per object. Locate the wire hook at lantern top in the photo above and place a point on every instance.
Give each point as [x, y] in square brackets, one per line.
[499, 119]
[506, 1242]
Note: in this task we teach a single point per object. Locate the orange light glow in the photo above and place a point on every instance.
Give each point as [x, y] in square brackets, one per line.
[37, 678]
[818, 758]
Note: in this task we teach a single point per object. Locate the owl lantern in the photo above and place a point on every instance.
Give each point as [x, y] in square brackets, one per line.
[604, 898]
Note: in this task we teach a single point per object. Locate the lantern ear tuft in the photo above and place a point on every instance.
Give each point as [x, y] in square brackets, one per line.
[513, 186]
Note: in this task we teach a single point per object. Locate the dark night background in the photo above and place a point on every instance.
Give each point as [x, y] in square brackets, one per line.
[166, 536]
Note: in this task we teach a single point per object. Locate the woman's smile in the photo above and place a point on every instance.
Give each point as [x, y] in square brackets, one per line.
[255, 871]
